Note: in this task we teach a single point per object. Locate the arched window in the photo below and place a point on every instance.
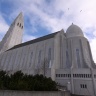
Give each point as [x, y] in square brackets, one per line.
[20, 25]
[39, 57]
[78, 58]
[17, 24]
[49, 58]
[67, 60]
[49, 54]
[31, 55]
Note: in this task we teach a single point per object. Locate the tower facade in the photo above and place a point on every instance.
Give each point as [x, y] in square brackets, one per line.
[78, 48]
[14, 34]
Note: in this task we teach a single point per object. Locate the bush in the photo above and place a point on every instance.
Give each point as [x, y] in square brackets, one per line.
[20, 81]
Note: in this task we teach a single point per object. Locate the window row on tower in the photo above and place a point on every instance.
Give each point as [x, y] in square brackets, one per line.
[63, 75]
[82, 75]
[74, 75]
[19, 24]
[83, 85]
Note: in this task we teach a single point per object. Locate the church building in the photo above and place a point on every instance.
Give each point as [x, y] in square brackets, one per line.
[64, 56]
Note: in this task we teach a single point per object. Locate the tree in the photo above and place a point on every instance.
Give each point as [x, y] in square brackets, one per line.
[2, 79]
[20, 81]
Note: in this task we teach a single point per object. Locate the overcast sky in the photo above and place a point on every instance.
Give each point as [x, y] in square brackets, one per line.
[42, 17]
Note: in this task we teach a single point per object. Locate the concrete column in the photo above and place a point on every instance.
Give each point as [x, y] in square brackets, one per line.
[72, 82]
[72, 66]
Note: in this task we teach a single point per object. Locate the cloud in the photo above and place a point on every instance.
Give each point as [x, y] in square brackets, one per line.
[93, 48]
[57, 14]
[28, 37]
[94, 33]
[3, 27]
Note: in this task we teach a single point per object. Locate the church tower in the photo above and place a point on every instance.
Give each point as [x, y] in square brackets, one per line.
[13, 35]
[79, 53]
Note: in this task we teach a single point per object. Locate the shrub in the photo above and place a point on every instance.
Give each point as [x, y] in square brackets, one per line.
[20, 81]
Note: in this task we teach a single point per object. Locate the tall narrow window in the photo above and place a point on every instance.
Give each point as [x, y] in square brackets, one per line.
[78, 58]
[20, 25]
[49, 57]
[17, 24]
[39, 57]
[31, 55]
[67, 60]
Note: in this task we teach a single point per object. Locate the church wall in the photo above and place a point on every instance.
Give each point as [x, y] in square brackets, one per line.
[19, 56]
[82, 85]
[64, 48]
[59, 55]
[44, 46]
[82, 81]
[1, 57]
[4, 61]
[28, 59]
[63, 81]
[83, 91]
[76, 51]
[63, 76]
[69, 53]
[39, 55]
[31, 58]
[8, 63]
[21, 59]
[59, 50]
[23, 55]
[86, 52]
[12, 60]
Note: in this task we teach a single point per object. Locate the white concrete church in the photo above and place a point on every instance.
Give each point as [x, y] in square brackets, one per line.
[65, 57]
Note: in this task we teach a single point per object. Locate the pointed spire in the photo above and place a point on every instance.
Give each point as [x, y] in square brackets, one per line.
[15, 30]
[21, 13]
[19, 16]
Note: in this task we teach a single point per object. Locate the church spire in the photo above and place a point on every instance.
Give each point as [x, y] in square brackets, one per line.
[14, 34]
[20, 16]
